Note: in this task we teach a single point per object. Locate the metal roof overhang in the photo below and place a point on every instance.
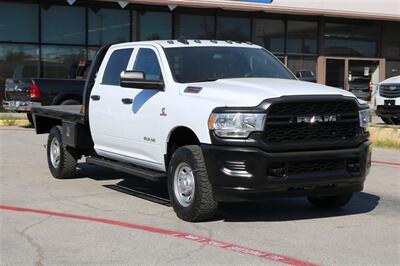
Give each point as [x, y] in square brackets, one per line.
[264, 7]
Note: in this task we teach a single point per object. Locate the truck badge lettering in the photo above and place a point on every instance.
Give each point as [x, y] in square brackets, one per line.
[149, 139]
[316, 118]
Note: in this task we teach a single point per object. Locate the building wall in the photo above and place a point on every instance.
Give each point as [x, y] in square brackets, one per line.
[43, 40]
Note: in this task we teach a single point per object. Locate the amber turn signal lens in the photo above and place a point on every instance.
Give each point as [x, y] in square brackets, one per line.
[211, 121]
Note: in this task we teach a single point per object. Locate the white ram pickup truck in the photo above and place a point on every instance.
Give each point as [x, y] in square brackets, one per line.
[219, 120]
[387, 101]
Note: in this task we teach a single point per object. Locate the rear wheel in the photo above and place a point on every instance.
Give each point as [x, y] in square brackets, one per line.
[330, 202]
[70, 102]
[189, 188]
[62, 160]
[30, 118]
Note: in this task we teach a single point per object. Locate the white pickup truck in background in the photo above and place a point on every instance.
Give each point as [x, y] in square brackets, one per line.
[221, 121]
[387, 101]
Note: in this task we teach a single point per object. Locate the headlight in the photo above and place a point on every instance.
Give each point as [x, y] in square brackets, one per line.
[236, 125]
[364, 118]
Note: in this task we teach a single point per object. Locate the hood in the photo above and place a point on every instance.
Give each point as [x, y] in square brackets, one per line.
[252, 91]
[395, 79]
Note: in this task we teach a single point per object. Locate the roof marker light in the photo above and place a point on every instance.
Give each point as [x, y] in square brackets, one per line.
[192, 89]
[183, 40]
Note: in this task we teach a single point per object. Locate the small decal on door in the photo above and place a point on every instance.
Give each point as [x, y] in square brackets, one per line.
[163, 113]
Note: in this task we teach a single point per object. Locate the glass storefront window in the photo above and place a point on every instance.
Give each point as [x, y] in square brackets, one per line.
[18, 61]
[304, 67]
[392, 68]
[21, 29]
[57, 60]
[196, 27]
[63, 24]
[350, 40]
[155, 26]
[108, 26]
[270, 33]
[92, 51]
[302, 37]
[391, 40]
[233, 28]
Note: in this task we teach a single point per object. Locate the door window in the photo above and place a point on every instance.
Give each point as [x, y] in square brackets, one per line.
[147, 63]
[117, 63]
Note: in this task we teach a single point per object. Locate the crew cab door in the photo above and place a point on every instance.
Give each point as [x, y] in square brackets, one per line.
[105, 106]
[125, 122]
[144, 116]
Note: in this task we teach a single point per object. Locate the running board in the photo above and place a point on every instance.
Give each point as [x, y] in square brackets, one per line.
[128, 168]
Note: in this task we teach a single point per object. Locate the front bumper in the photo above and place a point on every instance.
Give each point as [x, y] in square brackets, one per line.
[245, 173]
[388, 111]
[20, 106]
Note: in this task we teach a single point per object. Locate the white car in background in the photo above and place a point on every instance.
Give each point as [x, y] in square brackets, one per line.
[387, 101]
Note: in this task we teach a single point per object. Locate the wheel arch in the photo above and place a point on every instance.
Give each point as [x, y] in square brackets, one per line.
[63, 97]
[179, 136]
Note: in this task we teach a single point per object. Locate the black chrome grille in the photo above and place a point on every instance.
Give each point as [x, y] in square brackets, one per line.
[283, 126]
[389, 91]
[316, 166]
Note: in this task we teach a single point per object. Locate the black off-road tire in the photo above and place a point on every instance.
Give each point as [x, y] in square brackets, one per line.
[330, 202]
[70, 102]
[68, 157]
[203, 206]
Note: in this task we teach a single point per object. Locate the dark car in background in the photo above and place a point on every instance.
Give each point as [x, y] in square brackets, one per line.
[360, 87]
[21, 93]
[306, 75]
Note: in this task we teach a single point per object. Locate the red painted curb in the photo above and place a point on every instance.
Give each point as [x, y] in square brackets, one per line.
[239, 249]
[386, 163]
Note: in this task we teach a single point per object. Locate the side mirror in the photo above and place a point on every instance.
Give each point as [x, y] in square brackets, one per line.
[137, 79]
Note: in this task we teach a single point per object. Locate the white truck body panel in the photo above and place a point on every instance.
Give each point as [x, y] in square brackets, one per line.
[114, 125]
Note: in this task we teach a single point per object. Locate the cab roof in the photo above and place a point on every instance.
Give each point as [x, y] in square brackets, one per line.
[193, 43]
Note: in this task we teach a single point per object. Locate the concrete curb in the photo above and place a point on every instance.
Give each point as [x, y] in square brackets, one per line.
[12, 115]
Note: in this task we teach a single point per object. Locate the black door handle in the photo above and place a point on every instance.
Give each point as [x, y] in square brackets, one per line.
[126, 100]
[95, 97]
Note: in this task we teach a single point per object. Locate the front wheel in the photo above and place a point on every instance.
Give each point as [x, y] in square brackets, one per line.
[189, 187]
[330, 202]
[62, 160]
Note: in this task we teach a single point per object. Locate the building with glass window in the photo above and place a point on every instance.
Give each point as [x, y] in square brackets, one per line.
[337, 40]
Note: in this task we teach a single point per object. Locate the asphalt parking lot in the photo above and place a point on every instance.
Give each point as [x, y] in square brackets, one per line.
[97, 219]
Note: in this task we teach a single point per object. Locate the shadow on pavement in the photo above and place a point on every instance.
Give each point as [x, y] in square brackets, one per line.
[131, 185]
[273, 210]
[289, 209]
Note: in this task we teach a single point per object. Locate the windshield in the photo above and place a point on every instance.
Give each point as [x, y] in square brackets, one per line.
[198, 64]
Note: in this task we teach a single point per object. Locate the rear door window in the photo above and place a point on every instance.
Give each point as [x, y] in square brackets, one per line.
[117, 63]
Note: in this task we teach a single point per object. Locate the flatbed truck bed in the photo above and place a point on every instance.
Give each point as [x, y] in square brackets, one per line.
[70, 113]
